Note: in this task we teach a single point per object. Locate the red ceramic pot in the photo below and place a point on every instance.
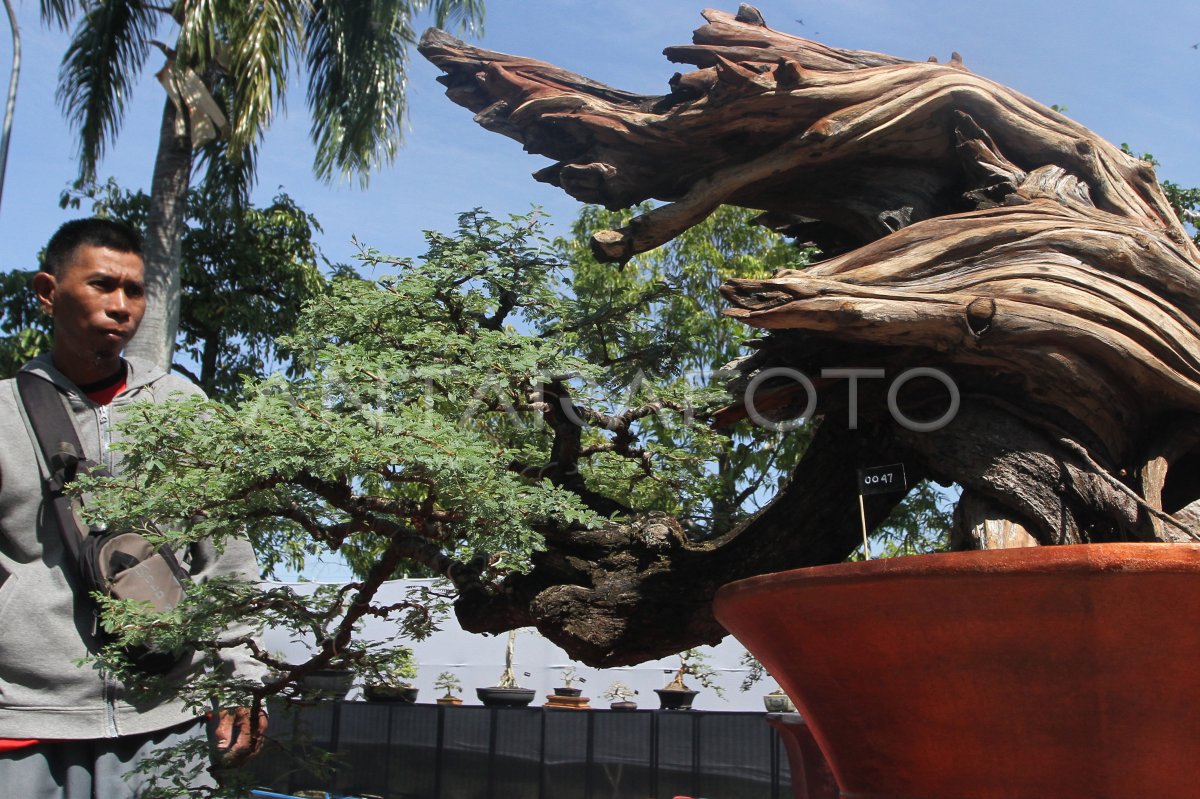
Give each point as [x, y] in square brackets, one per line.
[1064, 672]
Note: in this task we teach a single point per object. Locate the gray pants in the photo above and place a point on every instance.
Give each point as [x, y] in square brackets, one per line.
[90, 769]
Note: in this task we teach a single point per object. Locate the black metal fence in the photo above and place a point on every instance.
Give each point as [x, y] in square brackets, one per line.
[399, 751]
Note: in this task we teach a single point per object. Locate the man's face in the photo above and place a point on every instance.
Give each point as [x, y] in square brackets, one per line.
[97, 303]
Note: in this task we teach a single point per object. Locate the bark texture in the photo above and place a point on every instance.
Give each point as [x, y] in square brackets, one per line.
[155, 339]
[967, 228]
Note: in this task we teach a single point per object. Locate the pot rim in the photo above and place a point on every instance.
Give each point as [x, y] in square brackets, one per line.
[1158, 557]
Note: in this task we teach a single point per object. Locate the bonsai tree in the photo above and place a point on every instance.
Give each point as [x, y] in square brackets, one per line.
[620, 694]
[395, 667]
[569, 676]
[508, 678]
[676, 694]
[448, 681]
[775, 700]
[388, 675]
[507, 692]
[694, 663]
[966, 228]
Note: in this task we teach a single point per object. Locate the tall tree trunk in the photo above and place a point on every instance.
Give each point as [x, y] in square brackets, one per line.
[208, 361]
[155, 340]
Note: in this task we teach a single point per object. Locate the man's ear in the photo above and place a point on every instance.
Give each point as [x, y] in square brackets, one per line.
[44, 285]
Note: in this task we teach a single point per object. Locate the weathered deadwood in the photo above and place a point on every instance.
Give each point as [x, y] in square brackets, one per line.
[786, 125]
[966, 227]
[979, 524]
[1086, 313]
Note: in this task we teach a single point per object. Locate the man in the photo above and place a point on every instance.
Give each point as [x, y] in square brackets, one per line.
[69, 730]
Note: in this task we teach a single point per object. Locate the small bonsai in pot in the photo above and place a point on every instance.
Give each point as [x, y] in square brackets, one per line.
[776, 701]
[569, 677]
[387, 675]
[326, 684]
[677, 695]
[506, 693]
[331, 682]
[621, 696]
[448, 681]
[568, 695]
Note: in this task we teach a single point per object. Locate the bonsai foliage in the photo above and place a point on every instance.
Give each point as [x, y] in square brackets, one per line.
[429, 433]
[619, 692]
[659, 318]
[448, 681]
[755, 671]
[394, 668]
[694, 663]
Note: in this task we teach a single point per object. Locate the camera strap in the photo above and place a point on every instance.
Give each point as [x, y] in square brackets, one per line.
[124, 565]
[59, 442]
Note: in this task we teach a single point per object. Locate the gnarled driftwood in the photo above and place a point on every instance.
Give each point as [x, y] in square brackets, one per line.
[966, 227]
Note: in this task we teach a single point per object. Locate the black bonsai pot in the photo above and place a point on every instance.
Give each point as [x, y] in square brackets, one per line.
[675, 699]
[326, 684]
[390, 693]
[505, 697]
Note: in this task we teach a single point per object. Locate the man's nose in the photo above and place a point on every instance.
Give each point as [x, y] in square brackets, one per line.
[119, 306]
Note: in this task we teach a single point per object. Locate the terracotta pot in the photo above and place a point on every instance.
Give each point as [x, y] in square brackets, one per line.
[809, 772]
[449, 700]
[1066, 672]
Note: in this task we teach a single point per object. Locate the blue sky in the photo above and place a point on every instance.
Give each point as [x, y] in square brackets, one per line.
[1129, 75]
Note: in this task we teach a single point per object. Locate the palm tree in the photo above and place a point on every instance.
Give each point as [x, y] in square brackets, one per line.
[226, 73]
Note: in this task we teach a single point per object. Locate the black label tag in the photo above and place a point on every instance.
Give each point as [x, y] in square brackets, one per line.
[882, 479]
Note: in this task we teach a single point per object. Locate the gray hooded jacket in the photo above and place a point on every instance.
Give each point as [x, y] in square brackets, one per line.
[45, 627]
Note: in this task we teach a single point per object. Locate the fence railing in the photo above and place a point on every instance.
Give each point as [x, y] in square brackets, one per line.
[399, 751]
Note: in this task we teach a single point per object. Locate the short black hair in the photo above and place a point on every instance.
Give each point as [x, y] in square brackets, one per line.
[93, 232]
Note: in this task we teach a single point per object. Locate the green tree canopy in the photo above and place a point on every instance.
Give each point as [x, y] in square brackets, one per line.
[658, 318]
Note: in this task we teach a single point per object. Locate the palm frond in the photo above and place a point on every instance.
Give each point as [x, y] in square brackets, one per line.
[101, 66]
[262, 39]
[200, 29]
[60, 12]
[466, 15]
[356, 59]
